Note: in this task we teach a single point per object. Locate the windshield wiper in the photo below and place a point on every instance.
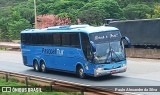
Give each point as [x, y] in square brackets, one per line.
[112, 59]
[109, 53]
[116, 55]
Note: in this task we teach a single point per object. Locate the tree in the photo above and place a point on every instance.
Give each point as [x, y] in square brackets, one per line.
[16, 24]
[25, 12]
[15, 27]
[93, 16]
[156, 12]
[4, 29]
[52, 20]
[96, 11]
[137, 11]
[124, 3]
[4, 18]
[11, 26]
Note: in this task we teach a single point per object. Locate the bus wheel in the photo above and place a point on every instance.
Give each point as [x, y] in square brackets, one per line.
[80, 72]
[43, 67]
[35, 65]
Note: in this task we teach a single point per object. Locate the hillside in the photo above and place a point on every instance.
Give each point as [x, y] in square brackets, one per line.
[6, 3]
[17, 15]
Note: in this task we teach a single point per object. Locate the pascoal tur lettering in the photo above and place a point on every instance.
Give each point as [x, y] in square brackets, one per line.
[52, 51]
[48, 51]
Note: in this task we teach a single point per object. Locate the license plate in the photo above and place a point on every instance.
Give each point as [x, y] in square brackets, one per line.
[113, 71]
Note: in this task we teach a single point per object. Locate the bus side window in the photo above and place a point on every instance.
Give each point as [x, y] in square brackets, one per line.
[23, 38]
[66, 39]
[86, 45]
[32, 38]
[29, 37]
[48, 39]
[57, 39]
[41, 39]
[75, 42]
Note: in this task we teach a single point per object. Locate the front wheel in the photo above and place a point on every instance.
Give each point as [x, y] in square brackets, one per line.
[43, 67]
[80, 72]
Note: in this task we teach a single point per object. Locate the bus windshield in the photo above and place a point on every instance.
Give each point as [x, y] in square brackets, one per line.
[109, 47]
[109, 52]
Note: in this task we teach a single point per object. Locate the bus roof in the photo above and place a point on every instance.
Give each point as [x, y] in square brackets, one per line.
[71, 28]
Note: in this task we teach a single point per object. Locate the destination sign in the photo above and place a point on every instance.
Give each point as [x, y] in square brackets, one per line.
[104, 37]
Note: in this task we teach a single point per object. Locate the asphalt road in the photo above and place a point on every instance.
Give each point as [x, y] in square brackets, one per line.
[140, 72]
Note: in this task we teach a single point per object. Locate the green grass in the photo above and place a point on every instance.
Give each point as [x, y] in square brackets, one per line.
[37, 93]
[4, 83]
[3, 49]
[13, 82]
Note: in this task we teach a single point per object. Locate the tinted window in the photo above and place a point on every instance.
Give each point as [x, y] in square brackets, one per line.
[28, 36]
[23, 39]
[57, 39]
[33, 38]
[40, 39]
[48, 39]
[66, 39]
[75, 42]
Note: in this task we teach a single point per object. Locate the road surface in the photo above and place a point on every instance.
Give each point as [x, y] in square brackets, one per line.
[140, 72]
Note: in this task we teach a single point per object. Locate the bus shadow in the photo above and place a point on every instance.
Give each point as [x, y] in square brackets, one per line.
[51, 73]
[57, 74]
[104, 78]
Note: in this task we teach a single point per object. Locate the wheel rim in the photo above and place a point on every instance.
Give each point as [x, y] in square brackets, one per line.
[81, 72]
[43, 67]
[36, 66]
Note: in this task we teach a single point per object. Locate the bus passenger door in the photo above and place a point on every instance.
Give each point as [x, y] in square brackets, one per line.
[86, 47]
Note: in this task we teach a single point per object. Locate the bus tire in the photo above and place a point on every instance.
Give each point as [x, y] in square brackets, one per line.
[36, 66]
[43, 67]
[80, 72]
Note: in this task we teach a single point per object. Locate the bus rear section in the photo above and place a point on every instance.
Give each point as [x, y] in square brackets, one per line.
[80, 49]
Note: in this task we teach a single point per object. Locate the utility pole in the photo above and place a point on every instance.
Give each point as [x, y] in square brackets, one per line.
[35, 14]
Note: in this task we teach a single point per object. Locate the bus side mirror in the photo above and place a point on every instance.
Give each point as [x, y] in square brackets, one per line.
[127, 40]
[93, 46]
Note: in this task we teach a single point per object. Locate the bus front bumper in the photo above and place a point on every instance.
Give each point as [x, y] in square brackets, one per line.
[98, 73]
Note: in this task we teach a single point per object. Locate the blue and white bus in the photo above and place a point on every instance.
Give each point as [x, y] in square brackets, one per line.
[81, 49]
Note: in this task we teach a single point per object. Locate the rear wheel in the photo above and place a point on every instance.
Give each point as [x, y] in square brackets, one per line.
[43, 67]
[35, 65]
[80, 72]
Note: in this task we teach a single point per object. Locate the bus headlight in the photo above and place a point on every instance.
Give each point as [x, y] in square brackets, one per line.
[99, 68]
[123, 65]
